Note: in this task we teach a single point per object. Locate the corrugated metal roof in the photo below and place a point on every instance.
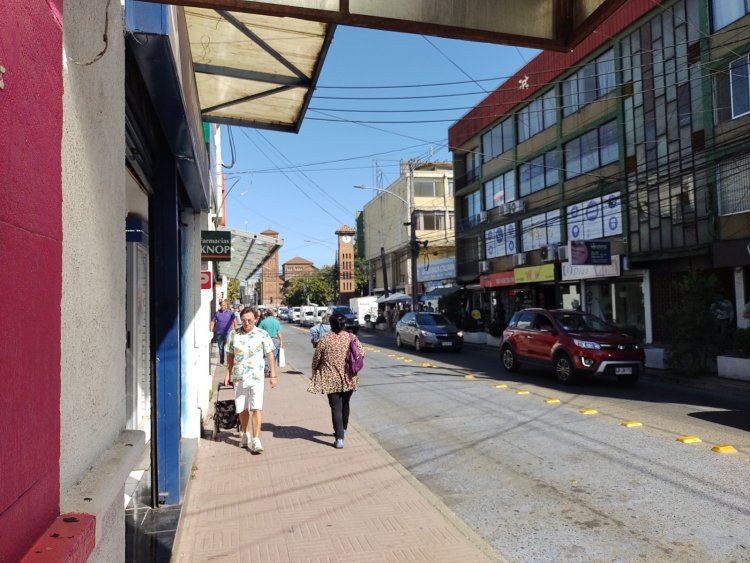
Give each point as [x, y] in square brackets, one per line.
[249, 252]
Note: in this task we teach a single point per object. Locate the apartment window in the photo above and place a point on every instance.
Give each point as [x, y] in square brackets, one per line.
[497, 140]
[591, 150]
[500, 190]
[471, 205]
[500, 241]
[734, 177]
[429, 188]
[537, 116]
[431, 221]
[540, 230]
[724, 12]
[591, 82]
[473, 163]
[732, 90]
[539, 173]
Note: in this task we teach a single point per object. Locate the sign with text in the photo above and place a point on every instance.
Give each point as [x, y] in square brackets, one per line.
[584, 272]
[498, 279]
[216, 246]
[534, 274]
[434, 270]
[589, 253]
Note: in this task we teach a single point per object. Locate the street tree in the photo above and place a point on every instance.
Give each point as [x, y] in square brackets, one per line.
[313, 288]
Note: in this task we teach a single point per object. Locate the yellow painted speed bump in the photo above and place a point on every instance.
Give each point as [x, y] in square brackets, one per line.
[724, 449]
[630, 424]
[469, 376]
[588, 411]
[550, 401]
[689, 439]
[426, 365]
[501, 386]
[391, 355]
[522, 392]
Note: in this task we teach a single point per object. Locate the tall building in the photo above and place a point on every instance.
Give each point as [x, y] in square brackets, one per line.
[296, 267]
[345, 259]
[423, 192]
[638, 138]
[271, 283]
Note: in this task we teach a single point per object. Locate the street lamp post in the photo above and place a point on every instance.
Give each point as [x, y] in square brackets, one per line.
[413, 242]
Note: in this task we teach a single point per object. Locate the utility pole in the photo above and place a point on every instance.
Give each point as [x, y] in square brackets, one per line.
[414, 252]
[385, 271]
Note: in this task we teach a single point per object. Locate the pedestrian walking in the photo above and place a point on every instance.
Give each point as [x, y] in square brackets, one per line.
[222, 323]
[329, 375]
[248, 351]
[273, 327]
[319, 330]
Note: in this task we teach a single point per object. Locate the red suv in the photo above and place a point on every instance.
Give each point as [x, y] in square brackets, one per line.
[573, 343]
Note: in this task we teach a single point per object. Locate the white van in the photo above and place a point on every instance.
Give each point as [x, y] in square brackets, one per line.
[294, 318]
[321, 313]
[308, 315]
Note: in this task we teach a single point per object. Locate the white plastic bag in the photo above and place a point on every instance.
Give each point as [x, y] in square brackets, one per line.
[282, 358]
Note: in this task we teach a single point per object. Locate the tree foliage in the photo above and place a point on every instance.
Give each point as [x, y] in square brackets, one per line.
[313, 288]
[233, 290]
[693, 338]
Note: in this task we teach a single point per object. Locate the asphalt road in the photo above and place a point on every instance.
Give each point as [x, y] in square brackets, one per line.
[541, 481]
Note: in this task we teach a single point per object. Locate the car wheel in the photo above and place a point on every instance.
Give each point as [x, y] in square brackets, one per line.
[417, 345]
[564, 370]
[510, 362]
[399, 344]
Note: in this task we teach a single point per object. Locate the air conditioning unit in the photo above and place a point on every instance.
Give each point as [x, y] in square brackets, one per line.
[519, 259]
[483, 217]
[484, 266]
[562, 253]
[549, 253]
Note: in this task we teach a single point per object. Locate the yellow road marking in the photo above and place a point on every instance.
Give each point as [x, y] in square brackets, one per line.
[724, 449]
[551, 401]
[588, 411]
[630, 424]
[689, 439]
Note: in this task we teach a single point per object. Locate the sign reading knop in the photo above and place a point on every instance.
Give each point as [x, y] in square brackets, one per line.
[216, 246]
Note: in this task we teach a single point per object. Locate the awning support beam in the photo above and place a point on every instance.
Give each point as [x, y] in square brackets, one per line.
[252, 75]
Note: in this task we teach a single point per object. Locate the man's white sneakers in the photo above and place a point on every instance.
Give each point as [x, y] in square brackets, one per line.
[244, 440]
[256, 447]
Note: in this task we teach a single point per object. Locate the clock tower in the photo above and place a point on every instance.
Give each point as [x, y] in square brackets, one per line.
[347, 285]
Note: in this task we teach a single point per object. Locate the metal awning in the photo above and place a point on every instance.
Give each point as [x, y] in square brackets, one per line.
[255, 70]
[249, 252]
[439, 292]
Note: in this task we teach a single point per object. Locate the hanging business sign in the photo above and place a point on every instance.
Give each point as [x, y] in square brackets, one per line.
[216, 246]
[205, 279]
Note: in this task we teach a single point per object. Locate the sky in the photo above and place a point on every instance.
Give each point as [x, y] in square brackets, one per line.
[302, 185]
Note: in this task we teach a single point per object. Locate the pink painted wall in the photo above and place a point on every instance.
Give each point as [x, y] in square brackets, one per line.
[30, 270]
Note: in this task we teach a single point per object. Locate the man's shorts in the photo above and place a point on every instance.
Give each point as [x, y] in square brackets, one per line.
[248, 395]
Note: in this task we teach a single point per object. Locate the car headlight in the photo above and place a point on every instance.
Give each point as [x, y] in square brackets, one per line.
[426, 334]
[586, 344]
[460, 334]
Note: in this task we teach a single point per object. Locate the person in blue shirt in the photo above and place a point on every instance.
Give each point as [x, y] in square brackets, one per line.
[222, 323]
[273, 327]
[318, 331]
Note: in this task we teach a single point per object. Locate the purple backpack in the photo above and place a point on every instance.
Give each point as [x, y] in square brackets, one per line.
[354, 360]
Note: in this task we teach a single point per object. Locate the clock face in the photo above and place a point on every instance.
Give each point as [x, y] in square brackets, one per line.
[346, 239]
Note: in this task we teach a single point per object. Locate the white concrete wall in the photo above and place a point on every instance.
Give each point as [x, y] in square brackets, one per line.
[92, 406]
[196, 337]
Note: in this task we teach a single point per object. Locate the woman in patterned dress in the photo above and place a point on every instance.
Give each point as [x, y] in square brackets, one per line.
[329, 375]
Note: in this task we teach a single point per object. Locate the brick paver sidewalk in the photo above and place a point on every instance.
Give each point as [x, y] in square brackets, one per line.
[303, 500]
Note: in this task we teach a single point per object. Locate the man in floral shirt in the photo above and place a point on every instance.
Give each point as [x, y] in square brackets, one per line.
[248, 350]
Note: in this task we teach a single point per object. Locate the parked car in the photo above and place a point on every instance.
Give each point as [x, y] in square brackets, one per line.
[572, 343]
[283, 314]
[428, 330]
[295, 315]
[350, 319]
[308, 315]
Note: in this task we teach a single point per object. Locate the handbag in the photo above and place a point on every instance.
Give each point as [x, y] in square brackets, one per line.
[354, 359]
[282, 358]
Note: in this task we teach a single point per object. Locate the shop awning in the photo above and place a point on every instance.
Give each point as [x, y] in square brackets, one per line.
[249, 252]
[439, 292]
[255, 70]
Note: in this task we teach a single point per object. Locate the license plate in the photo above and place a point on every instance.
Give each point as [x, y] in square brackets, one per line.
[623, 371]
[447, 343]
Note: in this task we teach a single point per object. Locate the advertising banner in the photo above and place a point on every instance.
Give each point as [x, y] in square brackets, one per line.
[442, 269]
